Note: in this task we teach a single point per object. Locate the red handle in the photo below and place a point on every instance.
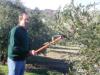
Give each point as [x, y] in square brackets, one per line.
[48, 44]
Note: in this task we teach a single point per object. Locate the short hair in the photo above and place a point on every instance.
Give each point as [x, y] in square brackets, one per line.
[21, 15]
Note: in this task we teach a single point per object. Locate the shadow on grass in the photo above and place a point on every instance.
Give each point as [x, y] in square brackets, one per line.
[1, 72]
[38, 71]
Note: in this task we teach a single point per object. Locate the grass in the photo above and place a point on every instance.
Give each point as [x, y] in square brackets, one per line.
[4, 71]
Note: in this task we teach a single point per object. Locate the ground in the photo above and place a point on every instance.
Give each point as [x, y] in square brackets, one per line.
[52, 54]
[4, 71]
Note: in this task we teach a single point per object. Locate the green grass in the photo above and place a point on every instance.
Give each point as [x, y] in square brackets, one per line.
[4, 71]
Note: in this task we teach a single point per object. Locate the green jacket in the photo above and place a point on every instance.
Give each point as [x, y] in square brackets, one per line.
[18, 46]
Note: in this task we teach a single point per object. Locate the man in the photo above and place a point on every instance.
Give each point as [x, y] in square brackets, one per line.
[18, 48]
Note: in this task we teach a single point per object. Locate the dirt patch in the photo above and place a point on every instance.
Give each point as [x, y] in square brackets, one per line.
[62, 55]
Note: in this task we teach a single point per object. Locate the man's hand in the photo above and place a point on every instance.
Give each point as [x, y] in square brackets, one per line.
[32, 52]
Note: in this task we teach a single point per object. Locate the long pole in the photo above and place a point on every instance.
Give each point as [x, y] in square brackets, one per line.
[48, 44]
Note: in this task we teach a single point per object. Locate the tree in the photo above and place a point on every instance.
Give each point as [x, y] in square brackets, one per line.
[8, 18]
[38, 31]
[86, 32]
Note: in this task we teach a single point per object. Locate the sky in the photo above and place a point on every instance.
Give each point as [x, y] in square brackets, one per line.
[55, 4]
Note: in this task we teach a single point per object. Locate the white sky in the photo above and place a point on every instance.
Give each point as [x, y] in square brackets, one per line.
[54, 4]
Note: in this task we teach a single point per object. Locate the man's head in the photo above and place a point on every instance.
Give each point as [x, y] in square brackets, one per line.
[24, 20]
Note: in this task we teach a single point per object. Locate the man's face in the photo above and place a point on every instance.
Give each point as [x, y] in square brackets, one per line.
[25, 20]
